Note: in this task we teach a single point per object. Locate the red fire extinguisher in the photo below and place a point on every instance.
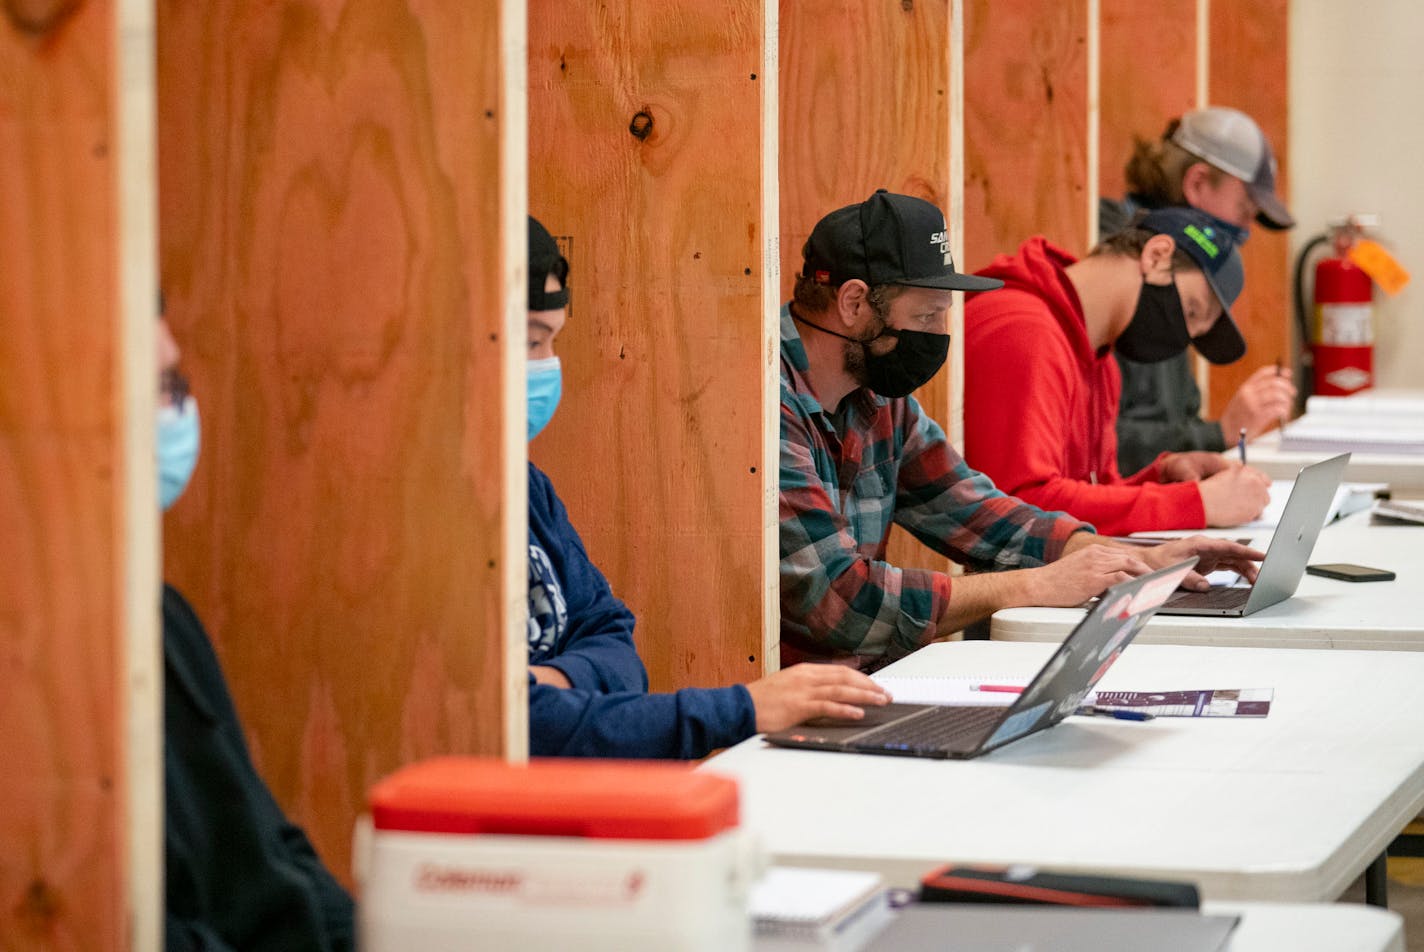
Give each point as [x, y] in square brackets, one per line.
[1342, 340]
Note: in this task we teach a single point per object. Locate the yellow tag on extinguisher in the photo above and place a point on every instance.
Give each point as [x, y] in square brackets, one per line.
[1371, 258]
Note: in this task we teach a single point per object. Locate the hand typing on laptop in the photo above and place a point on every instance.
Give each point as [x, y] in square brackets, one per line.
[1085, 572]
[1213, 555]
[807, 691]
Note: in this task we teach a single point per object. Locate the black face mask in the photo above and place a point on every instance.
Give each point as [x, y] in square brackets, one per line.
[1158, 330]
[899, 372]
[914, 361]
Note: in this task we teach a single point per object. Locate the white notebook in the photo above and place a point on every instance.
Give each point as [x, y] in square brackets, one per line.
[793, 907]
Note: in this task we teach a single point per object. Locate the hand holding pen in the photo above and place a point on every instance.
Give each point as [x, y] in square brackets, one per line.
[1263, 400]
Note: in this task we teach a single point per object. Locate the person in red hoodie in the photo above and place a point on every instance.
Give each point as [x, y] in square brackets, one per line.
[1041, 387]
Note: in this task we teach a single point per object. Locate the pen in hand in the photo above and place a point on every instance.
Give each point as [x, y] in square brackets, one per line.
[1241, 446]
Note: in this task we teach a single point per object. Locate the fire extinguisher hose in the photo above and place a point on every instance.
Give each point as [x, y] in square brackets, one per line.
[1305, 380]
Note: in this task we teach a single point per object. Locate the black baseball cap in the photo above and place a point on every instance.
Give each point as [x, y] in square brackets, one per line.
[887, 239]
[1211, 245]
[544, 260]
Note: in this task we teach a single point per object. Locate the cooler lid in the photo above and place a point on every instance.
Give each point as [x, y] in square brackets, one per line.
[599, 799]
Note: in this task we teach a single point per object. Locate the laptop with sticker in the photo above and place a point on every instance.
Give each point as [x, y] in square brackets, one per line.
[1057, 690]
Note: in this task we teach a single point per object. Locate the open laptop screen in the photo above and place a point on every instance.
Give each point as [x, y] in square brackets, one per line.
[1081, 661]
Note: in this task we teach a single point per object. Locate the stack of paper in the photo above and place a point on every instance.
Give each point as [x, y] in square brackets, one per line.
[1389, 510]
[832, 909]
[1367, 423]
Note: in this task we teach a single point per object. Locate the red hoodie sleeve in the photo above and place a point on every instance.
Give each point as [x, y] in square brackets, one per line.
[1022, 383]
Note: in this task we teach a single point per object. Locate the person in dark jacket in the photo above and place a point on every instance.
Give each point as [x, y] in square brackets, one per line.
[1216, 160]
[588, 689]
[239, 874]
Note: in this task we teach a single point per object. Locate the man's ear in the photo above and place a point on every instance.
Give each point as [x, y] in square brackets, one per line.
[1156, 259]
[851, 301]
[1196, 180]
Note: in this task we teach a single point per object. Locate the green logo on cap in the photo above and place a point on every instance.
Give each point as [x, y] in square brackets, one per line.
[1203, 240]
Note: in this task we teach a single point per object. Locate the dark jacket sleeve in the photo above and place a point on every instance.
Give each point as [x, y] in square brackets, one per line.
[688, 724]
[239, 873]
[182, 935]
[597, 653]
[1159, 413]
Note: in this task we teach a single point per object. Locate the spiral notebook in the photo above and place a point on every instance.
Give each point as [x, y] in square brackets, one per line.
[833, 909]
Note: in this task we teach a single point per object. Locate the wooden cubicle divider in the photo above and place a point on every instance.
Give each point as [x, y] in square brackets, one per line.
[1249, 71]
[1147, 76]
[849, 125]
[1026, 121]
[652, 159]
[342, 232]
[80, 821]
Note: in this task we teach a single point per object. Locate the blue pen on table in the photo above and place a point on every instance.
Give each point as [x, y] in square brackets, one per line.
[1121, 714]
[1241, 446]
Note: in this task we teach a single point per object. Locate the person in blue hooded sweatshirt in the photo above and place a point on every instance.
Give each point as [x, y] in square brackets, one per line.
[588, 689]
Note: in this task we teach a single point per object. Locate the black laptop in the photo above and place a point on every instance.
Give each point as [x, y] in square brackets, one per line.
[1284, 565]
[960, 732]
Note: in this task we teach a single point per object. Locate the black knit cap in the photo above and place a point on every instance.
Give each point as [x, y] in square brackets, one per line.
[544, 260]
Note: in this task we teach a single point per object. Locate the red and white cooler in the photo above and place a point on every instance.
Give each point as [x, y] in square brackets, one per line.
[467, 853]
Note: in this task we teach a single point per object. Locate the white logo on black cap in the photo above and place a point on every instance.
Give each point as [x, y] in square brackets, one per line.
[941, 238]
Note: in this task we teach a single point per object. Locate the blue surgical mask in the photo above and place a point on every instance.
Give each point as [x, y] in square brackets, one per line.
[178, 441]
[545, 386]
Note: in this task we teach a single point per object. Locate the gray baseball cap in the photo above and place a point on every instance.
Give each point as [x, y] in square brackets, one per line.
[1230, 140]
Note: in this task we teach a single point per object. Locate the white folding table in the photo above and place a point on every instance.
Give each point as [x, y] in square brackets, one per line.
[1324, 613]
[1290, 807]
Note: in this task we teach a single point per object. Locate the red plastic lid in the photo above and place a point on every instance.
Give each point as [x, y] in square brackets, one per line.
[599, 799]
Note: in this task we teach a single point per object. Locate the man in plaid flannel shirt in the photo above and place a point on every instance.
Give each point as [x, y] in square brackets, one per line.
[868, 325]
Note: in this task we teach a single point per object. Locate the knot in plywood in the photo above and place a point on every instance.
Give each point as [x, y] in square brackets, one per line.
[40, 906]
[641, 125]
[39, 17]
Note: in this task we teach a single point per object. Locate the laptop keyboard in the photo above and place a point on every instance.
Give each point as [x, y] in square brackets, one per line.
[941, 728]
[1218, 597]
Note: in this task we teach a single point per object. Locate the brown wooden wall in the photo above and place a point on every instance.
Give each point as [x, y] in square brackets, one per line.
[849, 125]
[1248, 70]
[646, 145]
[65, 875]
[1025, 125]
[1147, 76]
[331, 249]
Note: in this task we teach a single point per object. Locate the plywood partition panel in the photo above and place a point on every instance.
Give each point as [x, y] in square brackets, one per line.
[342, 197]
[1249, 71]
[648, 130]
[1147, 76]
[865, 104]
[79, 723]
[1025, 125]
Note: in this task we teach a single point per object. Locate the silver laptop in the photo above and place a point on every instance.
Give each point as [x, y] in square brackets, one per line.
[1287, 555]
